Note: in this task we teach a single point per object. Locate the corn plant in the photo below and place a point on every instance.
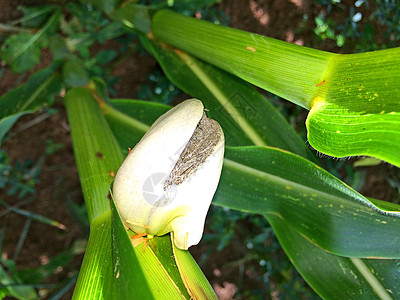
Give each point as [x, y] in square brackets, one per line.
[346, 246]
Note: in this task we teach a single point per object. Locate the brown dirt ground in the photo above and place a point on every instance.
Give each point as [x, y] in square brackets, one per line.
[59, 179]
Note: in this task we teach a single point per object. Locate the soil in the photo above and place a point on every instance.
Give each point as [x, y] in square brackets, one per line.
[58, 179]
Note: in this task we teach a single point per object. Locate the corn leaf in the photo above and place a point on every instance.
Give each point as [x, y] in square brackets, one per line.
[137, 272]
[161, 246]
[195, 281]
[337, 277]
[357, 110]
[287, 70]
[95, 158]
[318, 205]
[306, 196]
[354, 100]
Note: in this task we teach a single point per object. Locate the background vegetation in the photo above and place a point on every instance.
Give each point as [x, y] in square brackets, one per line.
[44, 221]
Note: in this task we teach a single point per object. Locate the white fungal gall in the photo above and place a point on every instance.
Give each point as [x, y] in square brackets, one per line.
[167, 182]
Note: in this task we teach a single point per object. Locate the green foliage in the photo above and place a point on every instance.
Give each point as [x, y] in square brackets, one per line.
[324, 30]
[38, 91]
[351, 33]
[74, 74]
[22, 51]
[350, 174]
[326, 228]
[20, 178]
[255, 244]
[158, 89]
[52, 147]
[34, 16]
[79, 214]
[12, 284]
[353, 99]
[368, 125]
[205, 9]
[25, 60]
[21, 284]
[388, 14]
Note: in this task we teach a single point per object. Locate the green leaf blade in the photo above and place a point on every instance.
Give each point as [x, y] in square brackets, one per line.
[287, 70]
[95, 158]
[336, 277]
[95, 275]
[319, 206]
[162, 246]
[354, 99]
[195, 281]
[100, 158]
[306, 197]
[357, 110]
[137, 271]
[11, 283]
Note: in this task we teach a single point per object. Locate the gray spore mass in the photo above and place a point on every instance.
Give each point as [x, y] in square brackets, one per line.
[200, 146]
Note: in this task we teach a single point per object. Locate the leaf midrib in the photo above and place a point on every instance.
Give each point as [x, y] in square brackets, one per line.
[372, 280]
[284, 182]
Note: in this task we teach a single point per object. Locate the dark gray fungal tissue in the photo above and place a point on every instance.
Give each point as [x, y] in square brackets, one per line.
[200, 146]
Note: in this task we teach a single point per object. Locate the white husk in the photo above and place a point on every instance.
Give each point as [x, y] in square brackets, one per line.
[154, 157]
